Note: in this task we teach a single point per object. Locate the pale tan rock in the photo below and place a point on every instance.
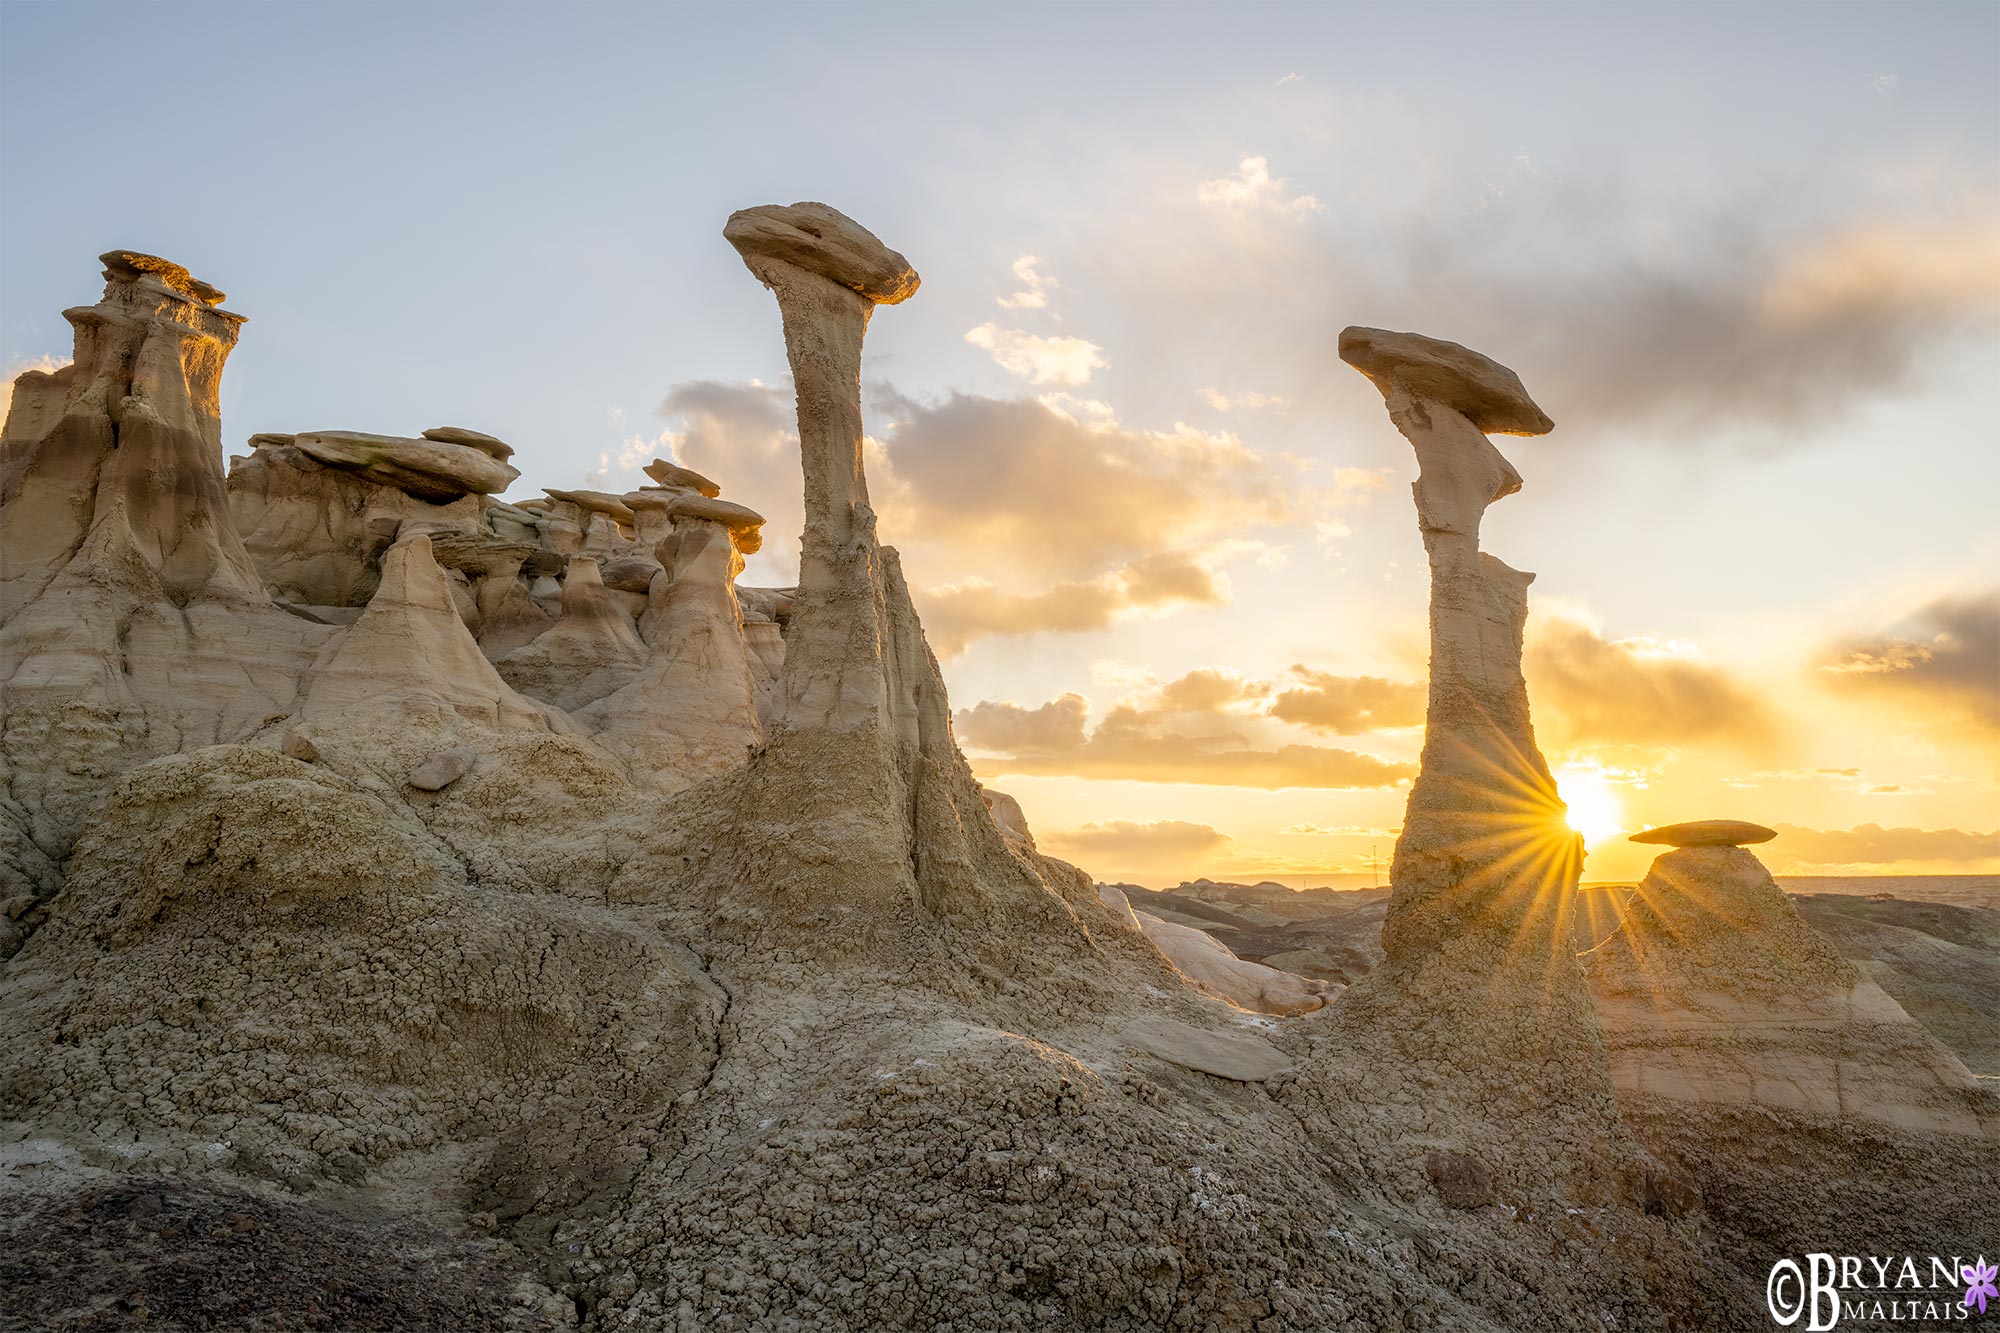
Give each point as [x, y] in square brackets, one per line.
[1706, 833]
[1007, 816]
[297, 745]
[1477, 387]
[735, 517]
[813, 238]
[1713, 991]
[651, 523]
[427, 469]
[690, 712]
[597, 502]
[443, 768]
[411, 654]
[133, 623]
[486, 444]
[590, 652]
[316, 533]
[681, 478]
[1212, 965]
[1480, 974]
[1241, 1058]
[632, 573]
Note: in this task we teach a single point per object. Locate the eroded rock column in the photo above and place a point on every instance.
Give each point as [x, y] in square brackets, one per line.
[1479, 1009]
[1484, 837]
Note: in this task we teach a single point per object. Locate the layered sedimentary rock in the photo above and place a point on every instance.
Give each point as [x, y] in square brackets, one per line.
[1713, 990]
[594, 650]
[690, 710]
[132, 621]
[882, 823]
[410, 654]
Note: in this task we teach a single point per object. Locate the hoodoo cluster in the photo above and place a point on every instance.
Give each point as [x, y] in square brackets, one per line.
[430, 909]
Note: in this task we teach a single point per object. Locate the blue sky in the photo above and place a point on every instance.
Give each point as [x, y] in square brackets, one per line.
[1744, 255]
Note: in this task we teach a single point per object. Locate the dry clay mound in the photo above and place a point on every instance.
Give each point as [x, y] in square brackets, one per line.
[806, 1042]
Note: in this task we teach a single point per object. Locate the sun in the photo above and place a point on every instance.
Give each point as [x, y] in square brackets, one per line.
[1594, 808]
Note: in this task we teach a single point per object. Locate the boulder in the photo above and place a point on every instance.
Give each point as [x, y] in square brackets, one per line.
[443, 768]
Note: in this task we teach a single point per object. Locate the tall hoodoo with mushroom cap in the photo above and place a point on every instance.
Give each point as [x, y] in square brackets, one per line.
[859, 787]
[1481, 975]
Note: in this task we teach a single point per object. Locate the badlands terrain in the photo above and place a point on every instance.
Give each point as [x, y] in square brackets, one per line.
[425, 910]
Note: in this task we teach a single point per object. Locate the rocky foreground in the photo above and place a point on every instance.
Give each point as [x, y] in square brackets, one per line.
[426, 910]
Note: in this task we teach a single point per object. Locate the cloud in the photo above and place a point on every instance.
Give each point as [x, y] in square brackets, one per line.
[1293, 77]
[957, 613]
[1249, 402]
[1125, 840]
[1340, 831]
[1705, 324]
[1636, 691]
[745, 435]
[1037, 359]
[1252, 189]
[1035, 286]
[1944, 661]
[1142, 743]
[1871, 844]
[1100, 522]
[1067, 492]
[1003, 727]
[1347, 705]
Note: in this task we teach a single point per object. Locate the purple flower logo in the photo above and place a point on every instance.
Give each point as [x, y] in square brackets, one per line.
[1979, 1284]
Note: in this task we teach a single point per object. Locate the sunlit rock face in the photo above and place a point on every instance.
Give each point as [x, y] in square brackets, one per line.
[132, 621]
[1713, 990]
[1479, 1002]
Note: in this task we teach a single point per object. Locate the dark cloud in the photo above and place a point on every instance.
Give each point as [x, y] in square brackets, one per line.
[1943, 662]
[1670, 324]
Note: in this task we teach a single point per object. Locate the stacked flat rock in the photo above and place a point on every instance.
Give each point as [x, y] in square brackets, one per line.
[674, 477]
[1707, 833]
[475, 439]
[428, 469]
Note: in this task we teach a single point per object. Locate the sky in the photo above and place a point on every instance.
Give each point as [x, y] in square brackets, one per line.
[1746, 256]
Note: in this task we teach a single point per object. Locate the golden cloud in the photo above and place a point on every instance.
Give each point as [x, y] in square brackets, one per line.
[957, 614]
[1130, 840]
[1140, 743]
[1347, 705]
[1648, 692]
[1871, 844]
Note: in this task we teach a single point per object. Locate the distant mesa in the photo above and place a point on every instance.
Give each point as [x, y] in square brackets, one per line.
[1707, 833]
